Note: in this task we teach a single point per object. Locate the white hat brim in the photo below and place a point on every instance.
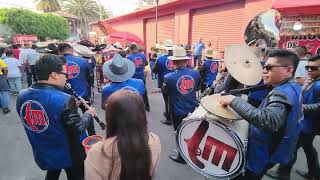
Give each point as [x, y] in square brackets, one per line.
[169, 48]
[175, 58]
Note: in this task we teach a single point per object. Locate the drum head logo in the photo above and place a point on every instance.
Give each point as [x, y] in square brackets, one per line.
[73, 70]
[34, 117]
[214, 67]
[169, 64]
[185, 84]
[138, 62]
[211, 149]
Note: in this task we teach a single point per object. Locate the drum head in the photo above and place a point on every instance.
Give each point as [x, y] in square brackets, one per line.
[210, 148]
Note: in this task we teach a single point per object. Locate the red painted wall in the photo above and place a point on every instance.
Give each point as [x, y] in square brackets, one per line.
[183, 11]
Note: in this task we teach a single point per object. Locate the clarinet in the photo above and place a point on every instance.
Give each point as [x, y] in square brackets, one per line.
[68, 87]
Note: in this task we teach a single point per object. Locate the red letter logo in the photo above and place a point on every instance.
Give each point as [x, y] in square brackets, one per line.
[185, 84]
[34, 117]
[194, 151]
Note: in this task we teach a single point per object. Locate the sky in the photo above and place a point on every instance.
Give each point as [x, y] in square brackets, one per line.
[118, 7]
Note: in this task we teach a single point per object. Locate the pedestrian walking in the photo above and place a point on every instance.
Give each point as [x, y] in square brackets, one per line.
[14, 73]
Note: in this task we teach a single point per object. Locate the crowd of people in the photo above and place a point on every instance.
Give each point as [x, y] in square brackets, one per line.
[282, 116]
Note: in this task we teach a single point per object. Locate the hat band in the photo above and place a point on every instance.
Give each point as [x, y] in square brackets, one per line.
[118, 70]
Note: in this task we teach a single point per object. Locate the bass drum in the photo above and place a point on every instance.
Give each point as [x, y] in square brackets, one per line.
[210, 147]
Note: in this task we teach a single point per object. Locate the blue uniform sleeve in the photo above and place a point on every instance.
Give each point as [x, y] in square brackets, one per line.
[142, 88]
[105, 95]
[313, 109]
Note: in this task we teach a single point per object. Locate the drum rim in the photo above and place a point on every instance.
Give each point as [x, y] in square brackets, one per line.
[233, 135]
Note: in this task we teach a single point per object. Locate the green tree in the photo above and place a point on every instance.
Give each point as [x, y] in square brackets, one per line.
[48, 5]
[45, 26]
[86, 10]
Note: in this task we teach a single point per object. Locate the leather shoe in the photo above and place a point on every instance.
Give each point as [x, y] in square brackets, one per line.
[275, 174]
[6, 110]
[306, 175]
[177, 158]
[166, 122]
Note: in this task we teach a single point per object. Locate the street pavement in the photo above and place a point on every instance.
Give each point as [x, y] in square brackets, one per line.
[16, 159]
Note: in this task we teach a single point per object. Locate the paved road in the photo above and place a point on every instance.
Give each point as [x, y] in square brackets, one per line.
[16, 160]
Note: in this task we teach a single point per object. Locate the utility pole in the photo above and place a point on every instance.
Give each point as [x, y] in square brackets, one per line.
[157, 4]
[100, 13]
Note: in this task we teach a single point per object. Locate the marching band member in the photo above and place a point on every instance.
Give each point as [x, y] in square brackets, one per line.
[119, 71]
[140, 62]
[310, 126]
[84, 52]
[163, 67]
[51, 120]
[100, 59]
[78, 76]
[274, 126]
[208, 70]
[181, 86]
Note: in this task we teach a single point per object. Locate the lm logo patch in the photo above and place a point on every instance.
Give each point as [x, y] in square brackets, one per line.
[138, 62]
[34, 117]
[214, 67]
[185, 84]
[73, 70]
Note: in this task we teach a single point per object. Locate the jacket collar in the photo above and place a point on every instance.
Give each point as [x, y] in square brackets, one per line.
[40, 85]
[285, 81]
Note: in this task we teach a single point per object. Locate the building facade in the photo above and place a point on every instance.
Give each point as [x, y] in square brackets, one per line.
[221, 22]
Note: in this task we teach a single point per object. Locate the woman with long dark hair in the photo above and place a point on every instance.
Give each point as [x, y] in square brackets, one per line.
[130, 151]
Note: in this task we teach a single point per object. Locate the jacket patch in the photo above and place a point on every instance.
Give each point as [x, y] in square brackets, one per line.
[34, 117]
[185, 84]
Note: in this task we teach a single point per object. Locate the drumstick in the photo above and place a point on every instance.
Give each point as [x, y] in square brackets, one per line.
[83, 101]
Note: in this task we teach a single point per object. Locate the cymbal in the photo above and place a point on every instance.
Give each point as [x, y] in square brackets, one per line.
[243, 63]
[211, 104]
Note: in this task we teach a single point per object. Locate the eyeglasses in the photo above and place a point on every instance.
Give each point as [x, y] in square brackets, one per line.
[269, 67]
[66, 74]
[312, 68]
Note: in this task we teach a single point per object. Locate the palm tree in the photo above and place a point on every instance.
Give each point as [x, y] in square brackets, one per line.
[48, 5]
[86, 10]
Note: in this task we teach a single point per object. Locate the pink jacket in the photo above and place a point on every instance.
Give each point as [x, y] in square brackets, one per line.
[97, 164]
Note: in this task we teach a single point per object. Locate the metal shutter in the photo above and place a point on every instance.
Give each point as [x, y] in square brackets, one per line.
[165, 30]
[222, 25]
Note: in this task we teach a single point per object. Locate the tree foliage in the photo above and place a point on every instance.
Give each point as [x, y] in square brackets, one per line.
[45, 26]
[48, 5]
[86, 10]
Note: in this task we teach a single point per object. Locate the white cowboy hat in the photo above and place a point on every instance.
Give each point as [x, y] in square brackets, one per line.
[118, 45]
[168, 44]
[42, 44]
[118, 69]
[179, 53]
[83, 50]
[210, 53]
